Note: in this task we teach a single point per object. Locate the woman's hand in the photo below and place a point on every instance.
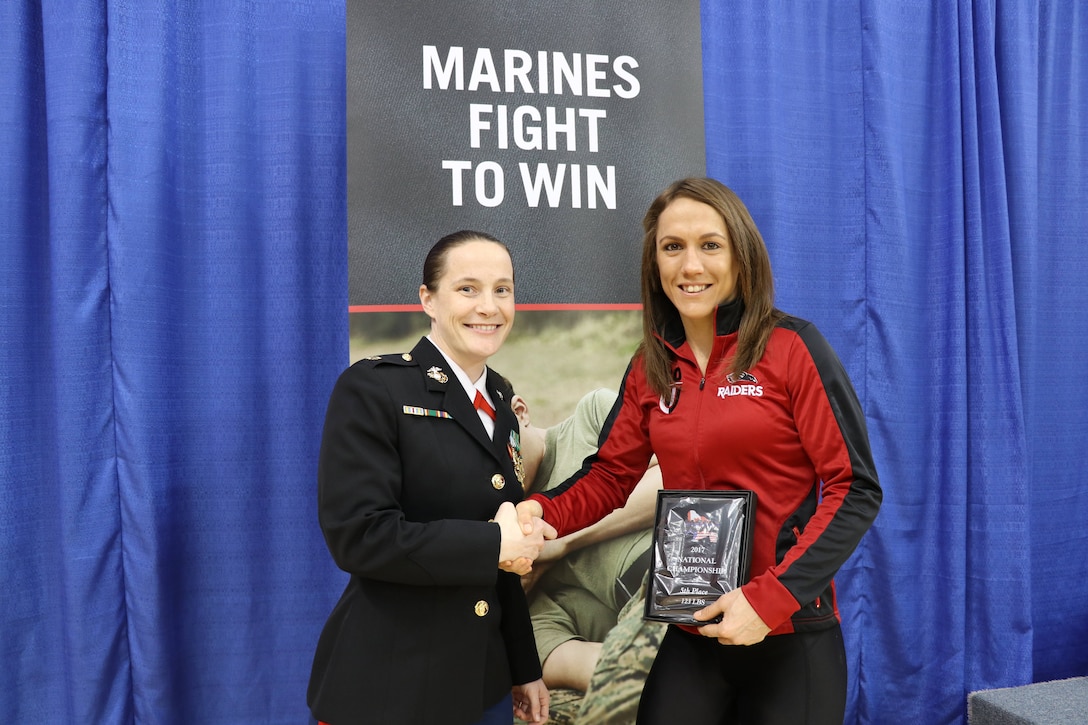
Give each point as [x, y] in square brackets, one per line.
[529, 580]
[740, 624]
[529, 510]
[531, 701]
[555, 549]
[518, 548]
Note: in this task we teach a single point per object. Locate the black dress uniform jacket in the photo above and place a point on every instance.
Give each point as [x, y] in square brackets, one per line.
[428, 629]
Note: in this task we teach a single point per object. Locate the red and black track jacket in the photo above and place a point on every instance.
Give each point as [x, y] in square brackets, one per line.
[791, 429]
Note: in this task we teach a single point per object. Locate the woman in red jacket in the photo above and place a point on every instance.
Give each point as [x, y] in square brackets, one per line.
[731, 393]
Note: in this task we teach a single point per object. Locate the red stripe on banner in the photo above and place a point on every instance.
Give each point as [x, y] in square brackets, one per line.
[384, 308]
[559, 307]
[529, 308]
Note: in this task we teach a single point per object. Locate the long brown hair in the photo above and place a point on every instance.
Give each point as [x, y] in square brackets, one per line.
[755, 283]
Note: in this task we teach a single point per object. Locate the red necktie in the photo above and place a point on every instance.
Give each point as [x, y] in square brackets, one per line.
[480, 403]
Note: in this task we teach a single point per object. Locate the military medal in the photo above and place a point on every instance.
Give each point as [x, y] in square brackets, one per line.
[425, 412]
[436, 373]
[514, 447]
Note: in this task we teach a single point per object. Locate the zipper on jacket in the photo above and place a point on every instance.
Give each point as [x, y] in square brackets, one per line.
[698, 425]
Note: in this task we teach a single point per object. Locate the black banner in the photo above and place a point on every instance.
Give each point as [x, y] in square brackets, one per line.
[549, 124]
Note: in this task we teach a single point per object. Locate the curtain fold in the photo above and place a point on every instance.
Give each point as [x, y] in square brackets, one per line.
[1051, 275]
[997, 542]
[62, 598]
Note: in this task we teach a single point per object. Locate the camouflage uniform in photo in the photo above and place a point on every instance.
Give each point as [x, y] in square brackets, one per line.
[587, 595]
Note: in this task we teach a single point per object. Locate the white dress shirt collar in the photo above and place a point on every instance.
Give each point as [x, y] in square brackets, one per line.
[471, 386]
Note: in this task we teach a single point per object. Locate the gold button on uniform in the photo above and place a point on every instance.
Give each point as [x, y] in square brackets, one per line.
[481, 608]
[497, 481]
[407, 357]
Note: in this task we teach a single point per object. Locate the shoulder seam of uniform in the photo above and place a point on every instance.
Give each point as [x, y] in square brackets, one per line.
[391, 358]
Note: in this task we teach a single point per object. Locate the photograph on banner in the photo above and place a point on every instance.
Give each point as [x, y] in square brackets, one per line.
[551, 126]
[552, 358]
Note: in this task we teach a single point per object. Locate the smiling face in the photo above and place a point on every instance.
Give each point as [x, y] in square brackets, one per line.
[471, 305]
[695, 261]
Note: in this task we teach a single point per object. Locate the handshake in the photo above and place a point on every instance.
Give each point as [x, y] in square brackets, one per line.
[523, 533]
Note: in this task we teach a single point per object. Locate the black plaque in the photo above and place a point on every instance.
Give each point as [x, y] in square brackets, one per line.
[702, 548]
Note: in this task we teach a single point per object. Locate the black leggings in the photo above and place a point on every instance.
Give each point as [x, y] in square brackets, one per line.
[788, 679]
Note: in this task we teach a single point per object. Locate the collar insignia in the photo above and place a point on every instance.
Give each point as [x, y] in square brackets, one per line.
[436, 373]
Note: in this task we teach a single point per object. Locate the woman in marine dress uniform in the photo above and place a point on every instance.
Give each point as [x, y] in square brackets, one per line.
[418, 475]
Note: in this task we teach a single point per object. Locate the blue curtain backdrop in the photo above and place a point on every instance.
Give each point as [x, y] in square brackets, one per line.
[919, 171]
[173, 314]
